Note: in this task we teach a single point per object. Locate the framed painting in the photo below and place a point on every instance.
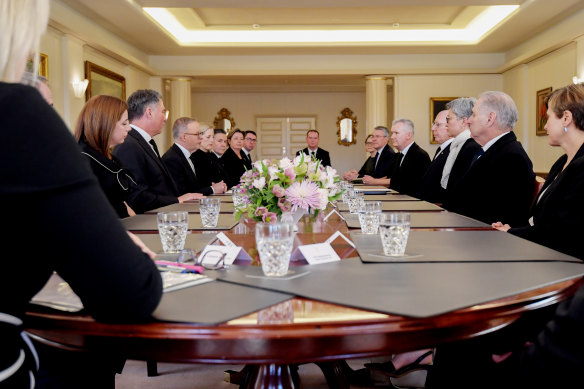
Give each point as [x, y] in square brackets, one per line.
[437, 104]
[43, 65]
[103, 81]
[540, 111]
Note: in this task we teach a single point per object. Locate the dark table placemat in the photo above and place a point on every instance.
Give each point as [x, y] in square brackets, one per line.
[192, 208]
[149, 223]
[411, 289]
[429, 220]
[196, 242]
[411, 206]
[458, 246]
[214, 302]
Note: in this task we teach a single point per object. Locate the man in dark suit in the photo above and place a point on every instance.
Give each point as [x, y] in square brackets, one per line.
[139, 154]
[383, 160]
[409, 165]
[249, 142]
[499, 184]
[185, 132]
[430, 188]
[312, 138]
[411, 162]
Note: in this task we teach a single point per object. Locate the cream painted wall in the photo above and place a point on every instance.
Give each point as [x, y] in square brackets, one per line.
[67, 56]
[326, 107]
[555, 69]
[412, 97]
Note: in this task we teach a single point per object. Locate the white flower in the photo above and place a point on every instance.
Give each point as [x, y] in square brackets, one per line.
[258, 165]
[272, 170]
[259, 183]
[285, 163]
[323, 197]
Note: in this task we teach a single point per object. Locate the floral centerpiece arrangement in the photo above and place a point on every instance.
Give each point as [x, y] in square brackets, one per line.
[275, 187]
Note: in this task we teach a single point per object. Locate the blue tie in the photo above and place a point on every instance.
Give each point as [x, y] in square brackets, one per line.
[477, 156]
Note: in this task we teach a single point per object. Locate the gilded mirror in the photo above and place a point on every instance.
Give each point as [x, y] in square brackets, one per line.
[223, 120]
[347, 125]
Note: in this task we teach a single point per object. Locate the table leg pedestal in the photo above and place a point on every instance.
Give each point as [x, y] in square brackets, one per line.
[271, 376]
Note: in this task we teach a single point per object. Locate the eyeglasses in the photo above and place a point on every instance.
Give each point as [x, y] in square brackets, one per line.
[251, 140]
[449, 118]
[219, 264]
[188, 133]
[368, 143]
[437, 124]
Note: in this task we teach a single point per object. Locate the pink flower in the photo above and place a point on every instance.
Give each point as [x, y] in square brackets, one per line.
[260, 211]
[289, 172]
[284, 204]
[278, 191]
[270, 217]
[303, 195]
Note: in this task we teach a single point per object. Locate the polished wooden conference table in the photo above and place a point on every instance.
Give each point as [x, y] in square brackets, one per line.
[295, 331]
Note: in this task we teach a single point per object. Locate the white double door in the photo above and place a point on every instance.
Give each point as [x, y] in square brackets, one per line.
[275, 133]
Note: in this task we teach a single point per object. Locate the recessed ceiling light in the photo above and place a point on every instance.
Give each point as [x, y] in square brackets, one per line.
[472, 33]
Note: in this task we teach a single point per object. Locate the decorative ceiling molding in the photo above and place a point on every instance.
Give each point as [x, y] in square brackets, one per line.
[173, 22]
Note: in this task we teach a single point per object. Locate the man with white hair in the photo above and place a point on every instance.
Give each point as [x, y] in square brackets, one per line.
[409, 165]
[430, 188]
[499, 183]
[187, 140]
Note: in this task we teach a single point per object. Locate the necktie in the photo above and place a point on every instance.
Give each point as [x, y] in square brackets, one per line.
[400, 156]
[377, 159]
[151, 141]
[437, 152]
[477, 156]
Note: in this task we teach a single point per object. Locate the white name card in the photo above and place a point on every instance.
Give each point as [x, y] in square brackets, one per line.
[225, 240]
[212, 253]
[318, 253]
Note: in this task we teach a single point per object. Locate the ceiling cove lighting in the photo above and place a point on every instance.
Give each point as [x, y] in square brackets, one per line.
[472, 33]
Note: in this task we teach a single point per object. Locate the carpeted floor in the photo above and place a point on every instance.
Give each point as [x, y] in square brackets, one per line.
[191, 376]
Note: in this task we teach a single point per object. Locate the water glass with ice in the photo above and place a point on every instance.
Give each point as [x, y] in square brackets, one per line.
[394, 231]
[370, 216]
[356, 201]
[274, 244]
[209, 209]
[173, 227]
[348, 193]
[238, 196]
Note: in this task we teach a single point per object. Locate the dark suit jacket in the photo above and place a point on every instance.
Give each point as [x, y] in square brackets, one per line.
[559, 211]
[407, 177]
[247, 162]
[156, 186]
[430, 188]
[368, 167]
[181, 172]
[208, 168]
[385, 164]
[234, 167]
[463, 161]
[497, 187]
[321, 154]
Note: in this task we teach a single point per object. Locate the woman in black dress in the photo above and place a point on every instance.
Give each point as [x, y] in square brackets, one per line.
[103, 124]
[53, 204]
[232, 160]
